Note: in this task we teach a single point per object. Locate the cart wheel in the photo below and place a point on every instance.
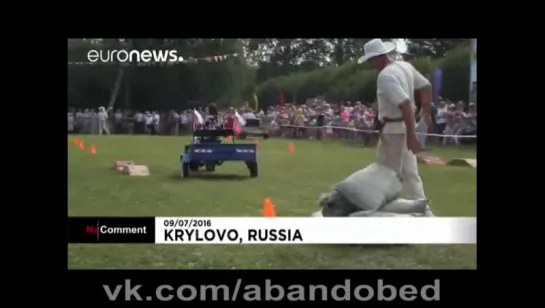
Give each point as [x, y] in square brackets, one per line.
[210, 167]
[252, 166]
[193, 166]
[185, 170]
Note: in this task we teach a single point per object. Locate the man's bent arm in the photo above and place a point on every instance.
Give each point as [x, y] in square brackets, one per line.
[407, 113]
[423, 86]
[426, 95]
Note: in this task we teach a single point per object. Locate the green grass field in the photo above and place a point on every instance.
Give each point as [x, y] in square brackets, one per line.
[292, 180]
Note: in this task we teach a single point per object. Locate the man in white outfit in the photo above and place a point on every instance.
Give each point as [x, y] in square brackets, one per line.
[396, 83]
[102, 116]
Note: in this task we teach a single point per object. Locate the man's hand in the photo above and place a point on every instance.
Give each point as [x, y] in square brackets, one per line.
[413, 144]
[425, 98]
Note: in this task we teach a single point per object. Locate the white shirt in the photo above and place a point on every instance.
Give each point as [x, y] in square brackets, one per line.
[183, 118]
[395, 84]
[441, 115]
[149, 118]
[368, 118]
[249, 116]
[102, 115]
[155, 119]
[175, 116]
[471, 118]
[138, 117]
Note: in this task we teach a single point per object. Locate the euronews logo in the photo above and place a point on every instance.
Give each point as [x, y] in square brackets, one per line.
[134, 56]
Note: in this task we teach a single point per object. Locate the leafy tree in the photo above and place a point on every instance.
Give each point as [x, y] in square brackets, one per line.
[301, 68]
[433, 47]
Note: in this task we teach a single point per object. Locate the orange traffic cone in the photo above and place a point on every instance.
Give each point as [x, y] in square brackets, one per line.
[291, 148]
[268, 208]
[229, 138]
[93, 149]
[81, 146]
[76, 140]
[256, 142]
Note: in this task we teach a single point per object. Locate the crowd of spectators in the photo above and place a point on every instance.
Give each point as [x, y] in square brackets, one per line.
[315, 119]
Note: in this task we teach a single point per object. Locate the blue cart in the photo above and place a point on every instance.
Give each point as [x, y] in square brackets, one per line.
[207, 149]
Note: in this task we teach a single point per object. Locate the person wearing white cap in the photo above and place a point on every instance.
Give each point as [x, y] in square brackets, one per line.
[102, 121]
[396, 84]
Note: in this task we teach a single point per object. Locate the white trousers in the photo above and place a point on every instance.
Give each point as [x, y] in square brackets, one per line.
[392, 152]
[103, 128]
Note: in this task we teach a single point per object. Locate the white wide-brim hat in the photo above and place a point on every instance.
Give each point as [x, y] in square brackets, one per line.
[374, 48]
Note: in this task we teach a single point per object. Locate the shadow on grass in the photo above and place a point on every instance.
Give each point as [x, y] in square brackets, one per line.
[209, 176]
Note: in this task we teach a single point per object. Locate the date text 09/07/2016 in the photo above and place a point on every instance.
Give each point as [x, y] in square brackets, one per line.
[187, 223]
[232, 235]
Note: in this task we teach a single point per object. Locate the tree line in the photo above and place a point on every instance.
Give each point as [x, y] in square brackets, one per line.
[231, 71]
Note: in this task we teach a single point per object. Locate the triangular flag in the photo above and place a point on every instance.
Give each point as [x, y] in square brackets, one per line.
[240, 119]
[239, 123]
[198, 119]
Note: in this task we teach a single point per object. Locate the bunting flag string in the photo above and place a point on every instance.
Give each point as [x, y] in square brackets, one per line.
[188, 60]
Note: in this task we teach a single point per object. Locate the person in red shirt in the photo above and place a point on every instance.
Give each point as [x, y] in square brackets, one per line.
[229, 120]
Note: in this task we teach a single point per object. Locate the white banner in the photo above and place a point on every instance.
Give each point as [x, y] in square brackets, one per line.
[310, 230]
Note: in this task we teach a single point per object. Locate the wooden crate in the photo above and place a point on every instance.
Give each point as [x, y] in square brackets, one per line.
[430, 160]
[463, 162]
[136, 170]
[120, 164]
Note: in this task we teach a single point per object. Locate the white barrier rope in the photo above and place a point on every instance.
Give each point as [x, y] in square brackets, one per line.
[376, 131]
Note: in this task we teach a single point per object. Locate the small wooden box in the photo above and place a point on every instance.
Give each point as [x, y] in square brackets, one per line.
[136, 170]
[120, 164]
[464, 162]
